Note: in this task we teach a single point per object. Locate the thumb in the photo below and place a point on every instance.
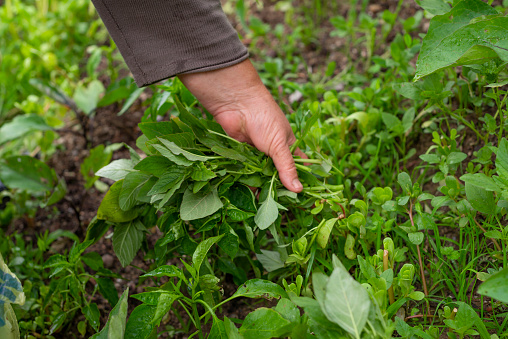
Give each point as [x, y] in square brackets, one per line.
[283, 161]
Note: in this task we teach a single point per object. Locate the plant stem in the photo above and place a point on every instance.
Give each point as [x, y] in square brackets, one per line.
[422, 272]
[197, 320]
[385, 267]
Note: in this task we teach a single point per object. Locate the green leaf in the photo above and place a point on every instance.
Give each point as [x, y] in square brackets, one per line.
[110, 209]
[164, 304]
[416, 237]
[218, 331]
[481, 180]
[436, 7]
[131, 187]
[259, 288]
[318, 322]
[288, 310]
[96, 230]
[201, 251]
[455, 158]
[180, 151]
[115, 326]
[116, 170]
[455, 39]
[97, 159]
[324, 231]
[229, 153]
[173, 175]
[346, 302]
[58, 321]
[87, 98]
[366, 268]
[201, 173]
[166, 271]
[230, 242]
[131, 99]
[270, 260]
[92, 314]
[263, 323]
[21, 125]
[172, 191]
[267, 213]
[242, 197]
[26, 173]
[127, 239]
[108, 290]
[199, 205]
[153, 130]
[502, 159]
[482, 200]
[155, 164]
[231, 330]
[177, 159]
[466, 316]
[140, 325]
[494, 234]
[496, 286]
[59, 192]
[405, 182]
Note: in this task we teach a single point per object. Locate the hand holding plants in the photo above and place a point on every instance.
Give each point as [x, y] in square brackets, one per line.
[240, 102]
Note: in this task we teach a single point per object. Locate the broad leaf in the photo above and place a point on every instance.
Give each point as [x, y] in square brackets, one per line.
[263, 323]
[201, 251]
[92, 314]
[177, 159]
[110, 209]
[115, 326]
[27, 173]
[127, 239]
[131, 187]
[436, 7]
[166, 271]
[502, 159]
[346, 302]
[267, 213]
[481, 180]
[482, 200]
[199, 205]
[21, 125]
[259, 288]
[496, 286]
[455, 39]
[169, 179]
[117, 170]
[324, 231]
[140, 325]
[87, 98]
[155, 164]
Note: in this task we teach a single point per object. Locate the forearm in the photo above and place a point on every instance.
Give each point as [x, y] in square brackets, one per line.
[159, 38]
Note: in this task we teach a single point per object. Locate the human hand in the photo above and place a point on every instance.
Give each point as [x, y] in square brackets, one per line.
[242, 105]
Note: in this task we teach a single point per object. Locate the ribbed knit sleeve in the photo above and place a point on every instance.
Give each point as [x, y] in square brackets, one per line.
[162, 38]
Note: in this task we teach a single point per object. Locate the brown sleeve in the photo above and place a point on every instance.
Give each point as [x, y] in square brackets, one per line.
[162, 38]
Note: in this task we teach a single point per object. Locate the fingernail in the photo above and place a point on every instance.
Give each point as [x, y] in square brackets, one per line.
[297, 184]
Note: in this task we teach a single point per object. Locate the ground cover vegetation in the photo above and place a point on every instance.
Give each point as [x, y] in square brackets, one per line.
[401, 228]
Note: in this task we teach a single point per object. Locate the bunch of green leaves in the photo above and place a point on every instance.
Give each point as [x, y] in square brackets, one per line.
[30, 179]
[471, 33]
[199, 179]
[69, 281]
